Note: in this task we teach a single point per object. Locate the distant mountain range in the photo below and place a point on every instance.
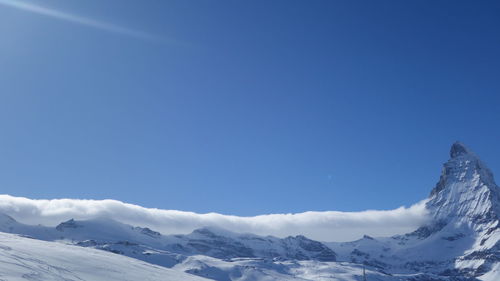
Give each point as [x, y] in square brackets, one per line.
[461, 242]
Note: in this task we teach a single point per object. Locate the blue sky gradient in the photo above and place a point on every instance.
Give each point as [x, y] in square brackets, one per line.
[246, 107]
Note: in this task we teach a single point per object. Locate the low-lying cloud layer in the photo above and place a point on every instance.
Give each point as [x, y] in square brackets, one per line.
[324, 226]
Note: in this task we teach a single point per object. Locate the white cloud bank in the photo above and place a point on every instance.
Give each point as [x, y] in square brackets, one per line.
[324, 226]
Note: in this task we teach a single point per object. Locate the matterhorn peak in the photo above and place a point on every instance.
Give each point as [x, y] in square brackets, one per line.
[463, 166]
[458, 149]
[465, 189]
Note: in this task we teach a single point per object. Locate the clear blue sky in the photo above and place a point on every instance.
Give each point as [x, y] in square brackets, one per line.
[246, 107]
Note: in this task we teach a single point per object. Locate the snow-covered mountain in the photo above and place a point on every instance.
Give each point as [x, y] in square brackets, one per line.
[460, 242]
[120, 238]
[463, 236]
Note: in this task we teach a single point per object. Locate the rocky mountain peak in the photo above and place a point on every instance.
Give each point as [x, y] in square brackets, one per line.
[67, 225]
[466, 188]
[458, 149]
[463, 166]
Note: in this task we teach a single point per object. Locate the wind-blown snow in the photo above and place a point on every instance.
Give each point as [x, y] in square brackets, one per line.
[325, 226]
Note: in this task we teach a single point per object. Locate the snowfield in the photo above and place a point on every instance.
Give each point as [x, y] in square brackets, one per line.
[30, 259]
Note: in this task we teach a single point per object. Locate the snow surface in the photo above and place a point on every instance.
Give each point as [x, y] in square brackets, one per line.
[493, 275]
[29, 259]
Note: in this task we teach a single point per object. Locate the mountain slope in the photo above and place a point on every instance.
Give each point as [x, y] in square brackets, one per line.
[29, 259]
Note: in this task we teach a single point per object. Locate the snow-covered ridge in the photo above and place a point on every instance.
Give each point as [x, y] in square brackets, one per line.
[117, 237]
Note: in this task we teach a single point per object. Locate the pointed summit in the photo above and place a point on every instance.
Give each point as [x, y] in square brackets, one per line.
[458, 149]
[466, 189]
